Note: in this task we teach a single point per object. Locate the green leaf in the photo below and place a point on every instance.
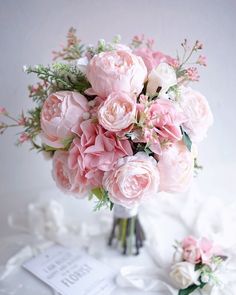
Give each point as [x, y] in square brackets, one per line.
[111, 206]
[186, 139]
[67, 142]
[98, 192]
[190, 289]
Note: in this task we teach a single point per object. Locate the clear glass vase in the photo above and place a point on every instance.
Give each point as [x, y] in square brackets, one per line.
[127, 233]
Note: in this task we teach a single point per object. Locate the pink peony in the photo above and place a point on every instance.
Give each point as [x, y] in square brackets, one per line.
[61, 111]
[176, 166]
[152, 58]
[198, 113]
[96, 151]
[117, 70]
[132, 179]
[165, 119]
[67, 179]
[117, 112]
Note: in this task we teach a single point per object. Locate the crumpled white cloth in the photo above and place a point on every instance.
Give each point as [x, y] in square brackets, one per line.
[49, 221]
[172, 218]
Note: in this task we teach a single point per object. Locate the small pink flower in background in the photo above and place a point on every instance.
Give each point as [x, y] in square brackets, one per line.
[198, 45]
[202, 61]
[192, 74]
[174, 63]
[176, 167]
[67, 179]
[22, 120]
[117, 112]
[116, 70]
[132, 179]
[139, 39]
[191, 250]
[60, 113]
[3, 111]
[150, 42]
[97, 150]
[23, 137]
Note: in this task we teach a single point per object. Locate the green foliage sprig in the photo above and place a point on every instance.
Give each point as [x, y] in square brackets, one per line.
[102, 199]
[61, 77]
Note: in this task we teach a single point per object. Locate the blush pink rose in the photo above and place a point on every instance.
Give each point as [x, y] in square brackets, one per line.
[152, 58]
[208, 250]
[117, 112]
[165, 119]
[198, 114]
[132, 179]
[60, 113]
[117, 70]
[191, 250]
[176, 167]
[66, 178]
[96, 151]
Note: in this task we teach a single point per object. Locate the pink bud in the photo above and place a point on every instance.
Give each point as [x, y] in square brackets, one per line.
[202, 61]
[3, 111]
[23, 137]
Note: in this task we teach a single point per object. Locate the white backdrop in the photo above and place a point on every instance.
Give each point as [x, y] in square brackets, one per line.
[30, 30]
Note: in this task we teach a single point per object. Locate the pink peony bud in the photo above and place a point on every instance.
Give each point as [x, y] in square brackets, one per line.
[3, 111]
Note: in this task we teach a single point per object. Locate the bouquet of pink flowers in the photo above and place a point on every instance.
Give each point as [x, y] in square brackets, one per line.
[119, 122]
[197, 265]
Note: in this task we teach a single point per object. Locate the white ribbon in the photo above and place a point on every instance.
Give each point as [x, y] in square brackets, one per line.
[123, 212]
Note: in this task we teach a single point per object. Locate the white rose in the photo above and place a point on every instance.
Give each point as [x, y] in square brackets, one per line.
[198, 113]
[184, 275]
[163, 76]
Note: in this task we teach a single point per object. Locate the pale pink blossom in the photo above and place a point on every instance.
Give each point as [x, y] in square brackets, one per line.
[116, 70]
[176, 167]
[202, 61]
[96, 151]
[3, 111]
[117, 112]
[132, 180]
[192, 74]
[23, 137]
[198, 113]
[152, 58]
[66, 178]
[60, 113]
